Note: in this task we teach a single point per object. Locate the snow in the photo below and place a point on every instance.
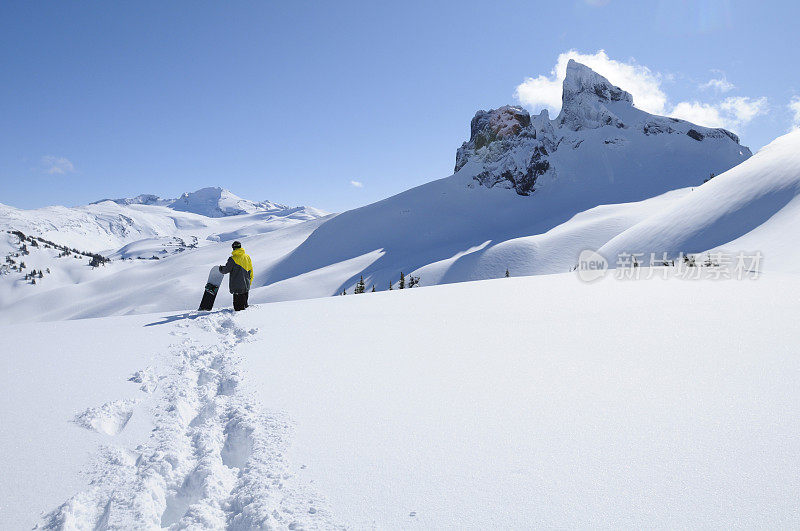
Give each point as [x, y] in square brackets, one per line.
[216, 202]
[752, 207]
[520, 402]
[129, 228]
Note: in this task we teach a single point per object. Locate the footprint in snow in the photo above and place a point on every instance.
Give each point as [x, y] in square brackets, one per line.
[110, 418]
[147, 378]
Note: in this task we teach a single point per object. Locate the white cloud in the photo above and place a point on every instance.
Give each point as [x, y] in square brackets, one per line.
[699, 113]
[720, 84]
[730, 113]
[57, 165]
[356, 184]
[643, 84]
[744, 109]
[794, 107]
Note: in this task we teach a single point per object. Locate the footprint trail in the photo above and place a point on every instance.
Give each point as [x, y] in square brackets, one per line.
[214, 459]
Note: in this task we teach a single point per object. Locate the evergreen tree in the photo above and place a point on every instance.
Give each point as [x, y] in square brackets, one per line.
[402, 280]
[390, 286]
[360, 288]
[507, 273]
[373, 288]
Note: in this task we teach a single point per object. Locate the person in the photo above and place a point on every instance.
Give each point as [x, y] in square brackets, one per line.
[240, 267]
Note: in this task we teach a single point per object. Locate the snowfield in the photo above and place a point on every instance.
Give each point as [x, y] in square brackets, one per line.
[520, 402]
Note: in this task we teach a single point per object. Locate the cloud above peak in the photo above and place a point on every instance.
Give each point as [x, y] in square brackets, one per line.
[646, 87]
[731, 113]
[643, 84]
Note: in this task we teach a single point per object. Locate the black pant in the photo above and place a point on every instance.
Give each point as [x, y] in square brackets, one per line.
[240, 301]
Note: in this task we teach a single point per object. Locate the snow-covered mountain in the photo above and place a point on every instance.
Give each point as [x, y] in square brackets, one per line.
[147, 221]
[600, 145]
[142, 199]
[213, 202]
[216, 202]
[520, 177]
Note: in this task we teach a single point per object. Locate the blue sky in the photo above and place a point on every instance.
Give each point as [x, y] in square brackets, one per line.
[339, 104]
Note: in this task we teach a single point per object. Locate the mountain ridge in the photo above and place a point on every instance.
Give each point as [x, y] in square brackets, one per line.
[511, 149]
[211, 201]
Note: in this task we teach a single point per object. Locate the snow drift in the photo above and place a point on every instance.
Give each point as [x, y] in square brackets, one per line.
[753, 207]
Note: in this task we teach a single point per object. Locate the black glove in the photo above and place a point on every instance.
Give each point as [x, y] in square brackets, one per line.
[220, 269]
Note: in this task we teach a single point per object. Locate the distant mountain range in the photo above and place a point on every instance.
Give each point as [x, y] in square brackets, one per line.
[145, 224]
[213, 202]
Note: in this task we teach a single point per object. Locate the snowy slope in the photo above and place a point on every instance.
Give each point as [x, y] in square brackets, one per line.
[175, 282]
[752, 207]
[509, 403]
[135, 286]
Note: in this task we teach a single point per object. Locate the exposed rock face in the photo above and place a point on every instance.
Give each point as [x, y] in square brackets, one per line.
[507, 143]
[508, 148]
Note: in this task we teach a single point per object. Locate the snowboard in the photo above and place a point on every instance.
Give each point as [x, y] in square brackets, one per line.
[212, 287]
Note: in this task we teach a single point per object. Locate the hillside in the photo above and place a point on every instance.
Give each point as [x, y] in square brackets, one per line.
[752, 207]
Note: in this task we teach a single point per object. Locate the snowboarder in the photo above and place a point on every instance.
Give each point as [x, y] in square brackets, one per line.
[240, 268]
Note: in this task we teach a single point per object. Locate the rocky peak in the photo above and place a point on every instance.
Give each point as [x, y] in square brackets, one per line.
[582, 83]
[509, 148]
[496, 133]
[586, 97]
[495, 124]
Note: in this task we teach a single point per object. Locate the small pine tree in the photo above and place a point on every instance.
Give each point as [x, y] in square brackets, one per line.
[507, 273]
[360, 288]
[33, 281]
[373, 288]
[402, 280]
[344, 292]
[390, 286]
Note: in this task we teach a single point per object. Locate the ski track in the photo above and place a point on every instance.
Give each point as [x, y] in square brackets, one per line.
[214, 459]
